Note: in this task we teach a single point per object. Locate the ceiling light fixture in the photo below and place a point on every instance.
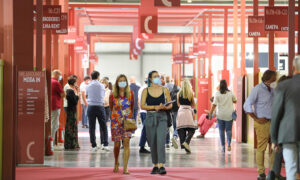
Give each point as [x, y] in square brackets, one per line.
[189, 1]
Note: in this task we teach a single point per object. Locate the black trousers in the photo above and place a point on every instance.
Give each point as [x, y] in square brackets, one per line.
[99, 113]
[186, 135]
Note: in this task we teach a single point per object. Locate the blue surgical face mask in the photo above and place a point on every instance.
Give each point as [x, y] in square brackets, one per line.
[157, 81]
[122, 84]
[59, 78]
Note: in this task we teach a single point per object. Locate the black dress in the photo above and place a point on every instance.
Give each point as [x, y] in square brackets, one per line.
[71, 129]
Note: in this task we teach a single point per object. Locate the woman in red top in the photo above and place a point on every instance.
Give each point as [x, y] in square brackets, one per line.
[121, 100]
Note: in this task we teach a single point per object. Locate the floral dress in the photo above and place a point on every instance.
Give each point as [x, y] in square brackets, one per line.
[118, 132]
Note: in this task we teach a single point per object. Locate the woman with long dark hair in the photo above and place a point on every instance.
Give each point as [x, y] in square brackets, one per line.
[121, 104]
[223, 101]
[153, 99]
[71, 134]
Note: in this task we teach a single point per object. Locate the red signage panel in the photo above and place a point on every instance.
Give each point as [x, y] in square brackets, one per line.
[148, 24]
[51, 16]
[256, 26]
[31, 117]
[63, 24]
[202, 97]
[93, 58]
[167, 3]
[276, 19]
[202, 48]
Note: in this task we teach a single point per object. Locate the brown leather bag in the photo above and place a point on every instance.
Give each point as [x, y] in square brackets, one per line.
[129, 124]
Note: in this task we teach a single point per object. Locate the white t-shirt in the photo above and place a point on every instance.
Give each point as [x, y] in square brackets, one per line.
[82, 89]
[140, 98]
[66, 87]
[224, 103]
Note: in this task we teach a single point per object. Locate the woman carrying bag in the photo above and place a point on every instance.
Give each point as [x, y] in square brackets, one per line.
[223, 101]
[121, 104]
[153, 100]
[185, 119]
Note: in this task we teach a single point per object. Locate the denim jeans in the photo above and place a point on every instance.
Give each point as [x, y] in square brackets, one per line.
[174, 115]
[135, 114]
[97, 112]
[225, 126]
[143, 138]
[84, 114]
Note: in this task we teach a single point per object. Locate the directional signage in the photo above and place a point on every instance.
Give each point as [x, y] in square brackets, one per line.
[276, 19]
[256, 26]
[63, 24]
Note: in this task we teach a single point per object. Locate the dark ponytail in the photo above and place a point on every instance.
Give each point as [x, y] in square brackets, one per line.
[223, 87]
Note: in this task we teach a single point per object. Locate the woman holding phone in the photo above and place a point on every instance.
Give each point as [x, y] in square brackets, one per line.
[185, 119]
[153, 99]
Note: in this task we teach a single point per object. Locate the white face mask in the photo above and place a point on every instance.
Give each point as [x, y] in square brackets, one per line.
[59, 78]
[273, 85]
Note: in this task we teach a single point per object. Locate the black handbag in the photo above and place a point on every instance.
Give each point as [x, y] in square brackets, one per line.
[169, 115]
[169, 118]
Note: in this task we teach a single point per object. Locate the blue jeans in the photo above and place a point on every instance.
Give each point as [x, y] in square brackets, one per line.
[135, 113]
[174, 114]
[143, 138]
[84, 114]
[225, 126]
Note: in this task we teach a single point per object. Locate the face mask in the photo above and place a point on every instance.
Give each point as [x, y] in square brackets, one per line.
[122, 84]
[157, 81]
[273, 85]
[59, 78]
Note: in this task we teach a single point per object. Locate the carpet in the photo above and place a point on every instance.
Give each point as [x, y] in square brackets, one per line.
[53, 173]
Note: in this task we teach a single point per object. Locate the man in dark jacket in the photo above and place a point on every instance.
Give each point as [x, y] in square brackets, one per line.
[285, 123]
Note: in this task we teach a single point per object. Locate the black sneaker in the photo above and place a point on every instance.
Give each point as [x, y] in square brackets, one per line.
[262, 177]
[154, 170]
[162, 171]
[143, 150]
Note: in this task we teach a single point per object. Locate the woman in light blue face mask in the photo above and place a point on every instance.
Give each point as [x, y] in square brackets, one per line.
[121, 103]
[153, 100]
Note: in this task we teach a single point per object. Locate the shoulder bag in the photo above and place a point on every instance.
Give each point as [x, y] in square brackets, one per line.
[129, 123]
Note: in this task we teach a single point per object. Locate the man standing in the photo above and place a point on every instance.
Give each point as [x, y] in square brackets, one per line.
[285, 124]
[261, 98]
[83, 101]
[95, 92]
[143, 114]
[56, 94]
[135, 89]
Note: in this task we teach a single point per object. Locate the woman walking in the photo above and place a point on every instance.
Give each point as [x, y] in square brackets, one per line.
[71, 129]
[223, 101]
[153, 99]
[121, 104]
[185, 119]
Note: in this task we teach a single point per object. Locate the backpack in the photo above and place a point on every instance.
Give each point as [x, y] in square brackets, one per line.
[173, 95]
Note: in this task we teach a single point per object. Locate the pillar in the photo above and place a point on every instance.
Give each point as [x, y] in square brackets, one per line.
[271, 44]
[255, 49]
[291, 35]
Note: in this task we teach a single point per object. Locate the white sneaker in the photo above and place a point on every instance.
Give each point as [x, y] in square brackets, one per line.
[174, 143]
[105, 148]
[94, 149]
[102, 147]
[99, 147]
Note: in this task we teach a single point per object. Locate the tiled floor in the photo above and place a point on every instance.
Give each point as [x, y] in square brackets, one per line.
[206, 153]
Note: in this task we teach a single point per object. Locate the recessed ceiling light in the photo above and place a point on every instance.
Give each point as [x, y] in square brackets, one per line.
[189, 1]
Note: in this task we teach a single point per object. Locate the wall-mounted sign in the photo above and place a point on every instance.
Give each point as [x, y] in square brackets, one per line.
[202, 97]
[63, 24]
[93, 58]
[30, 115]
[167, 3]
[180, 59]
[256, 26]
[276, 19]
